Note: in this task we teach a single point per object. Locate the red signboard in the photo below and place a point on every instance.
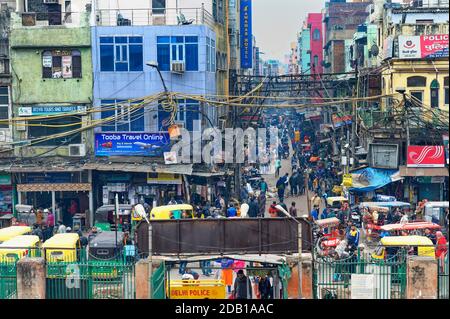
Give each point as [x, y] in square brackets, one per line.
[426, 156]
[434, 46]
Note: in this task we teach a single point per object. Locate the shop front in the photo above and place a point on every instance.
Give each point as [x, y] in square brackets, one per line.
[6, 194]
[426, 183]
[66, 193]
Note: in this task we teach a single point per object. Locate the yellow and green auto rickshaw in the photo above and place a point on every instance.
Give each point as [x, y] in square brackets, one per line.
[390, 246]
[13, 231]
[172, 212]
[19, 247]
[62, 248]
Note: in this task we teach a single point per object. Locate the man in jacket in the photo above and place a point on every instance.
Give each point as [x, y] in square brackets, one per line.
[253, 210]
[242, 286]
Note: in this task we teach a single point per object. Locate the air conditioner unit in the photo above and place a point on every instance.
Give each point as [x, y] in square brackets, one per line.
[51, 1]
[77, 150]
[177, 67]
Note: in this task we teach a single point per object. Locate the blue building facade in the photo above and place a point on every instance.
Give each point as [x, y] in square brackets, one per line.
[120, 54]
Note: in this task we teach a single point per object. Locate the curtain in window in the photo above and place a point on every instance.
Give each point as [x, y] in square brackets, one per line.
[76, 64]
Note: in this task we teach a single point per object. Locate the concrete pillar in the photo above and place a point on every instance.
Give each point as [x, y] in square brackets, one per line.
[421, 278]
[31, 276]
[91, 201]
[142, 277]
[307, 279]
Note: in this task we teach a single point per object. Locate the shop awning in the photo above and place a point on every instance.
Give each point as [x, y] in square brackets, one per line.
[370, 179]
[69, 187]
[185, 169]
[207, 174]
[422, 171]
[42, 169]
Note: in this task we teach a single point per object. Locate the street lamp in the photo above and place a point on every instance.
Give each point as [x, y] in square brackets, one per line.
[300, 248]
[155, 65]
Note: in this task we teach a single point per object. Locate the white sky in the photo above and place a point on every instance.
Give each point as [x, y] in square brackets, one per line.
[276, 23]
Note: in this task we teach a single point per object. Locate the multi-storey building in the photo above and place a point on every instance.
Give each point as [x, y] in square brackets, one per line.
[315, 24]
[304, 49]
[6, 188]
[340, 23]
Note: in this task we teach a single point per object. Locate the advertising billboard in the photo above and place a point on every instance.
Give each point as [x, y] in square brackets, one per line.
[132, 144]
[426, 156]
[339, 121]
[423, 47]
[246, 35]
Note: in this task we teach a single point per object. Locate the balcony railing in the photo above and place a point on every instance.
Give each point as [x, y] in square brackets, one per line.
[132, 17]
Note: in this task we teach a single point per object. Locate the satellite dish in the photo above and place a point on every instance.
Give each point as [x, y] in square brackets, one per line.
[375, 50]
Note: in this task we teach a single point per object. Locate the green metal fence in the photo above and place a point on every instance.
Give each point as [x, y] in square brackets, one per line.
[356, 278]
[158, 282]
[443, 281]
[91, 280]
[8, 280]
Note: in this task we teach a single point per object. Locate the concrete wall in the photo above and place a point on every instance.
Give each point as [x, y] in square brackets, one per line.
[307, 279]
[31, 274]
[421, 278]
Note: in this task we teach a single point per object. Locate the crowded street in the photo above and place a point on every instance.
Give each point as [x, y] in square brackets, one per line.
[224, 149]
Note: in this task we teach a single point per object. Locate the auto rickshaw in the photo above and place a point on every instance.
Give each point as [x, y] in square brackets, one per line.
[373, 230]
[331, 238]
[106, 254]
[105, 217]
[62, 248]
[391, 245]
[414, 228]
[13, 231]
[435, 212]
[172, 212]
[19, 247]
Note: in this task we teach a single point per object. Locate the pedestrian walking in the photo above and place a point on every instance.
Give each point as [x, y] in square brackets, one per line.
[253, 210]
[315, 213]
[277, 167]
[265, 288]
[242, 286]
[281, 186]
[263, 186]
[293, 183]
[262, 204]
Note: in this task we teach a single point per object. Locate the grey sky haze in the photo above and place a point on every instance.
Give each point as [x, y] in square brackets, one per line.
[276, 23]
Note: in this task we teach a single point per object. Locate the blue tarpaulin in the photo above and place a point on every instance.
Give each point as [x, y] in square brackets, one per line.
[370, 179]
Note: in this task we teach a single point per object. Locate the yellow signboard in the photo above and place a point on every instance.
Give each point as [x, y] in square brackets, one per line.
[163, 178]
[347, 180]
[297, 136]
[211, 289]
